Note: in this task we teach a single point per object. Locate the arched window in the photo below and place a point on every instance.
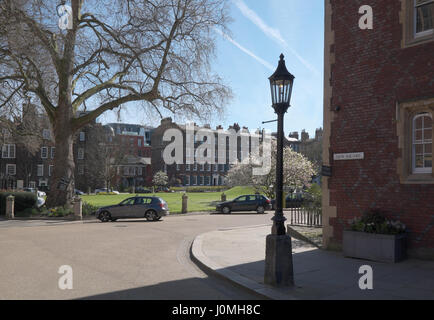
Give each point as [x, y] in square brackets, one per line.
[422, 143]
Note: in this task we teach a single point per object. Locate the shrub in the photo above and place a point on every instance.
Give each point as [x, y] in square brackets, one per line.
[23, 200]
[60, 212]
[106, 194]
[313, 197]
[88, 209]
[374, 221]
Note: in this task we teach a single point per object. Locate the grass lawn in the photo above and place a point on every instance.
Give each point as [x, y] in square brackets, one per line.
[197, 202]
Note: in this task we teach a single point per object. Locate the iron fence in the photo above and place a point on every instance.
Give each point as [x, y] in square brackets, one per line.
[304, 217]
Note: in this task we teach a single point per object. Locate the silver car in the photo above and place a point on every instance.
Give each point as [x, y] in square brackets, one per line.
[151, 208]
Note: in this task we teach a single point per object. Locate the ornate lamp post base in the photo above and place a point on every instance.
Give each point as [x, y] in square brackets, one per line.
[278, 261]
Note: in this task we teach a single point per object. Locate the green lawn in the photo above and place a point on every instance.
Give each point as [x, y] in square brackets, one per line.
[197, 202]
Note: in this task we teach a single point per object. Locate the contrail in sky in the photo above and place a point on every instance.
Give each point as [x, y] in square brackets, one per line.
[260, 60]
[270, 32]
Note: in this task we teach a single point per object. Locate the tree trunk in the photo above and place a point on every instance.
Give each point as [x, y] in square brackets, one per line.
[62, 181]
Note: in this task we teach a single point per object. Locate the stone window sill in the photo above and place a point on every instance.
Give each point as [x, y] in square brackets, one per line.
[419, 40]
[426, 178]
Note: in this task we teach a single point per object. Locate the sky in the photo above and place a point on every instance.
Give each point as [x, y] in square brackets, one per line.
[260, 32]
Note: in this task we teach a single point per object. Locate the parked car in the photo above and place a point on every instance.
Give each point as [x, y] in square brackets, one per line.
[258, 203]
[78, 192]
[151, 208]
[292, 200]
[105, 190]
[142, 190]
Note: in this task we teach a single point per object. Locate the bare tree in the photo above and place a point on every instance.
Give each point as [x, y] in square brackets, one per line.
[117, 51]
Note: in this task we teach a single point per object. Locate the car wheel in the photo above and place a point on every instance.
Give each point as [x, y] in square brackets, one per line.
[260, 210]
[226, 210]
[105, 216]
[151, 215]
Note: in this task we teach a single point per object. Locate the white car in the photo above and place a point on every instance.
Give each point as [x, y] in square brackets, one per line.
[41, 194]
[40, 202]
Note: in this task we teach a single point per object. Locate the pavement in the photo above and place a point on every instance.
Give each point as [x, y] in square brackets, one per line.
[237, 255]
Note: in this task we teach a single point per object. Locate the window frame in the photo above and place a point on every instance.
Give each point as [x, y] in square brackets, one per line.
[6, 148]
[416, 170]
[405, 113]
[424, 33]
[42, 152]
[410, 36]
[80, 154]
[41, 173]
[11, 165]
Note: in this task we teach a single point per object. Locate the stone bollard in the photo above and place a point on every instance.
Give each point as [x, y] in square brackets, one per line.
[223, 197]
[88, 191]
[10, 202]
[184, 203]
[78, 208]
[133, 190]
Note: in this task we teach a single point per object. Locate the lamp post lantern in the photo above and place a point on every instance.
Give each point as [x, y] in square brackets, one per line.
[278, 259]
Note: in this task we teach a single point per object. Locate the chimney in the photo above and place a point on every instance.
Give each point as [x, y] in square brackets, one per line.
[294, 135]
[304, 135]
[166, 121]
[318, 134]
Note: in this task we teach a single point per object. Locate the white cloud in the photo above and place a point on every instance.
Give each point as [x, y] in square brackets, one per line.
[260, 60]
[272, 33]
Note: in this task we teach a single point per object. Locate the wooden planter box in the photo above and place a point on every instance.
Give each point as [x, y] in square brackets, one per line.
[376, 247]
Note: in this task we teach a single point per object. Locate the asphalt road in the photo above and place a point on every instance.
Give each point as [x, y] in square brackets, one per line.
[128, 259]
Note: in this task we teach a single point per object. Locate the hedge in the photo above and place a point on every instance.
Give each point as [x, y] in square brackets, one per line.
[23, 200]
[201, 189]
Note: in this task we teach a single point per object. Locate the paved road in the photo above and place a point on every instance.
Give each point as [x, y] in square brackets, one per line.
[129, 259]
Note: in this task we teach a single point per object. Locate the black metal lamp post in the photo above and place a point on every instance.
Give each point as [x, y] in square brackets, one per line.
[281, 83]
[278, 255]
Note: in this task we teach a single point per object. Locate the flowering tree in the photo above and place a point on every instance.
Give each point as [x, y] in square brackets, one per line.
[297, 173]
[160, 179]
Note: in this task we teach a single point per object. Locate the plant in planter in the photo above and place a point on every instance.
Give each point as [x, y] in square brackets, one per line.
[373, 237]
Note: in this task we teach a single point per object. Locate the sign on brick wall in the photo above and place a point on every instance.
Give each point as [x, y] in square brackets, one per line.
[349, 156]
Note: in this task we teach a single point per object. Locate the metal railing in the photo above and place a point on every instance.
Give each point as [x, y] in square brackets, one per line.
[304, 217]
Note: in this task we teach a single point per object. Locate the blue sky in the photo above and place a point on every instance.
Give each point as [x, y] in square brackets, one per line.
[260, 32]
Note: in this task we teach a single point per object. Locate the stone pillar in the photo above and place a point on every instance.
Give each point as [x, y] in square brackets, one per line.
[133, 189]
[278, 261]
[223, 197]
[10, 203]
[78, 208]
[88, 191]
[184, 203]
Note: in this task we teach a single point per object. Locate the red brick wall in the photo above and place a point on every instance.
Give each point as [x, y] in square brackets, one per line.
[370, 74]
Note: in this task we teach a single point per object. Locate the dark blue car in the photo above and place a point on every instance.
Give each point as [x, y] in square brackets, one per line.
[257, 202]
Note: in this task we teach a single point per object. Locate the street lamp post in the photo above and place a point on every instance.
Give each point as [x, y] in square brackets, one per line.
[278, 260]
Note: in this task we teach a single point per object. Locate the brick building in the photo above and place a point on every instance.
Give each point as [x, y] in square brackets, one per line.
[379, 104]
[130, 154]
[194, 174]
